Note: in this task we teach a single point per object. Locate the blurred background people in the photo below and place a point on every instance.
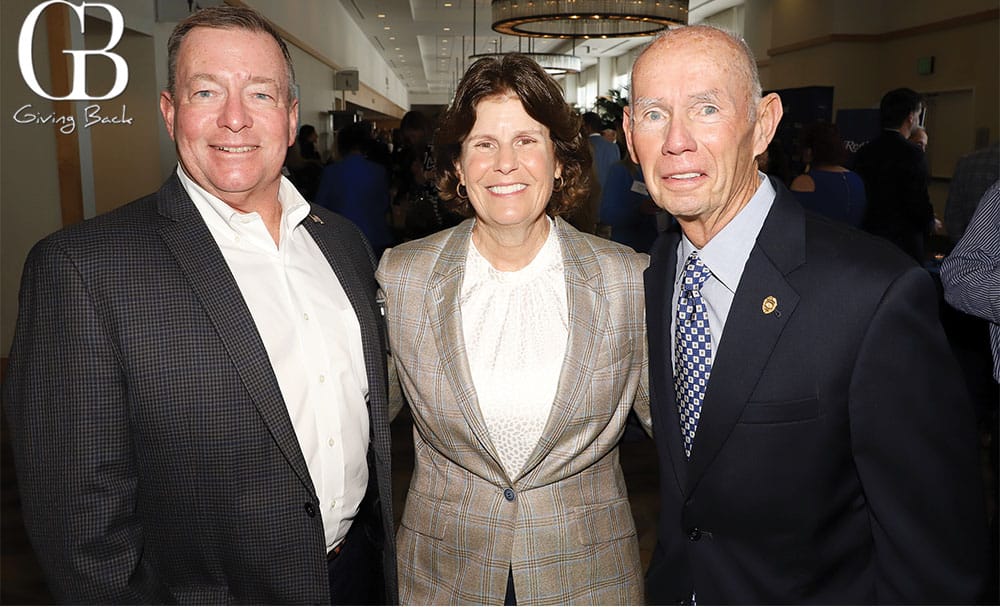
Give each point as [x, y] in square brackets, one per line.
[418, 210]
[304, 162]
[895, 175]
[520, 345]
[357, 187]
[627, 211]
[605, 152]
[774, 161]
[827, 187]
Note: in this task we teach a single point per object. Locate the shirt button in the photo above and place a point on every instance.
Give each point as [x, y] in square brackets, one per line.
[330, 442]
[322, 378]
[509, 494]
[333, 504]
[305, 316]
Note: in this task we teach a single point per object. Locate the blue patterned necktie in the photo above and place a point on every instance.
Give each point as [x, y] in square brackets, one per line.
[693, 343]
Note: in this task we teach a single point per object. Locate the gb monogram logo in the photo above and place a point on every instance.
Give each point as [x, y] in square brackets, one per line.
[79, 90]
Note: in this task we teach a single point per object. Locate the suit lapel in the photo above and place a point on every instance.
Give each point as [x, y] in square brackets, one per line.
[588, 321]
[194, 248]
[750, 333]
[442, 305]
[659, 284]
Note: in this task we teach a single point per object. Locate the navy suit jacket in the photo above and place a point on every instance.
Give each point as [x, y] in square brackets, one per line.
[836, 456]
[896, 177]
[156, 459]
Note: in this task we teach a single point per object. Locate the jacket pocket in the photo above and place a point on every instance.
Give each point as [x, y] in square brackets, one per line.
[427, 516]
[777, 412]
[604, 522]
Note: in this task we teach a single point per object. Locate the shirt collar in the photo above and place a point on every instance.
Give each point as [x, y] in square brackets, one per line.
[294, 208]
[727, 253]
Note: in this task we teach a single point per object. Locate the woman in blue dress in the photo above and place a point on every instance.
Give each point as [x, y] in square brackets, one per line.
[827, 187]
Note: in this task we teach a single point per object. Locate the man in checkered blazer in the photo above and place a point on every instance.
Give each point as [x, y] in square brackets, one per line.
[197, 391]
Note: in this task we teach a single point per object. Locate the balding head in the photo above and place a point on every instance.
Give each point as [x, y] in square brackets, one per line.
[740, 56]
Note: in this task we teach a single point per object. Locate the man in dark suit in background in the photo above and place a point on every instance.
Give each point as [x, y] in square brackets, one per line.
[895, 174]
[816, 444]
[197, 389]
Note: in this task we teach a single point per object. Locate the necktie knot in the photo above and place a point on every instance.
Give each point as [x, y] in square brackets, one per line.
[695, 273]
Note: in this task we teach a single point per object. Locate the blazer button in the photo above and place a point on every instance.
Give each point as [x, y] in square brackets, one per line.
[310, 509]
[509, 494]
[694, 534]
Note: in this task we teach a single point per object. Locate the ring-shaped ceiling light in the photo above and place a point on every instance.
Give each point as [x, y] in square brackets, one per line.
[587, 18]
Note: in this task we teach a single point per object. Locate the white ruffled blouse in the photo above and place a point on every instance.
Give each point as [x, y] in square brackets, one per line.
[516, 325]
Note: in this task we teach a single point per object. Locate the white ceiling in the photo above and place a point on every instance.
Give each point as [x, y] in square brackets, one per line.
[427, 42]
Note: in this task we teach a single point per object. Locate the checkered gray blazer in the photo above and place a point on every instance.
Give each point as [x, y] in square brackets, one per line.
[564, 524]
[155, 456]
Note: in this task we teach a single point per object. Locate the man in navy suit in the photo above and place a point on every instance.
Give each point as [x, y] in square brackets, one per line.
[197, 392]
[816, 444]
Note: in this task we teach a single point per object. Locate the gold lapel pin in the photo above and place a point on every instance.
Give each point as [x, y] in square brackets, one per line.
[316, 219]
[770, 304]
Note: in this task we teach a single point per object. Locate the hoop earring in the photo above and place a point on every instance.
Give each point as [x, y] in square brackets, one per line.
[458, 191]
[561, 183]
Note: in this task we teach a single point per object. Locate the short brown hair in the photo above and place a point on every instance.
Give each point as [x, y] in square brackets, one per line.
[824, 140]
[225, 17]
[520, 76]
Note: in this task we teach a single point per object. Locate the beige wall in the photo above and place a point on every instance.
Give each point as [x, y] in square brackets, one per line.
[123, 170]
[316, 93]
[967, 56]
[118, 162]
[29, 184]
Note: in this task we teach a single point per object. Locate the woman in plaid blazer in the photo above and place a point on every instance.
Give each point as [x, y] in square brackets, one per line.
[520, 346]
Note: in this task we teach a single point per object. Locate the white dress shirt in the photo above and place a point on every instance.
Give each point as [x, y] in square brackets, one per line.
[515, 326]
[313, 340]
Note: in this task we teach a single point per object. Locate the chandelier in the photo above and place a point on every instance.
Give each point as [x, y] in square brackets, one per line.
[587, 18]
[555, 64]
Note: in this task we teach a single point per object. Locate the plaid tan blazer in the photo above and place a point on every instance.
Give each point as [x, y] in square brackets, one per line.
[563, 525]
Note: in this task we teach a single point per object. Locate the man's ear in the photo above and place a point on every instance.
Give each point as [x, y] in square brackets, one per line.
[627, 129]
[167, 111]
[769, 113]
[293, 121]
